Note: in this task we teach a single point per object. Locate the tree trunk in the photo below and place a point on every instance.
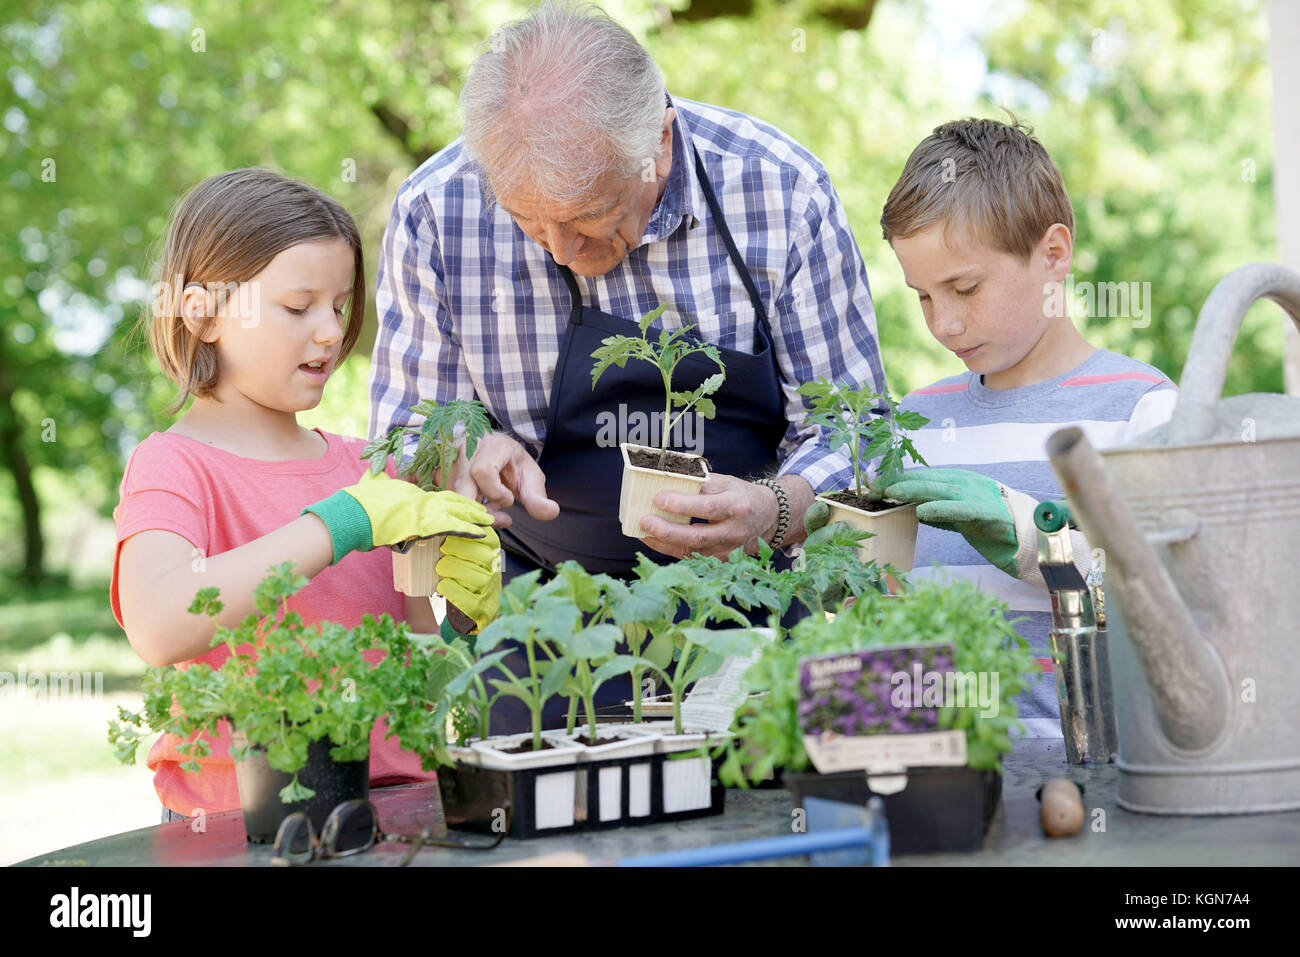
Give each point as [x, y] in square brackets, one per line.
[15, 460]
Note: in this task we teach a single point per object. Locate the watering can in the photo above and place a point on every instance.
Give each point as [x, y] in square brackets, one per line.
[1199, 523]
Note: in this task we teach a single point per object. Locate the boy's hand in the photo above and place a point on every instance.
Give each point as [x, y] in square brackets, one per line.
[379, 510]
[469, 576]
[984, 512]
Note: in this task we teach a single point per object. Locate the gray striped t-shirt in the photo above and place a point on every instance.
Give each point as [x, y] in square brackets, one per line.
[1002, 434]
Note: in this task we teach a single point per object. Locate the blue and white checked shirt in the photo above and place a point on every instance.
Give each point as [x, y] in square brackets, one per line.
[470, 307]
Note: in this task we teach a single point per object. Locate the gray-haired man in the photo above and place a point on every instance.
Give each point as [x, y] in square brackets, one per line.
[580, 197]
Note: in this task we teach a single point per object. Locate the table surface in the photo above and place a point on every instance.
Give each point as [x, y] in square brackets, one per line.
[1114, 837]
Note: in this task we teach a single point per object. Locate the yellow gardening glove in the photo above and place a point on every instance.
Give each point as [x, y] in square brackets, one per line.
[469, 576]
[379, 510]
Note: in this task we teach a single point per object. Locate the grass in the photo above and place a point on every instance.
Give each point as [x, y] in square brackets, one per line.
[62, 783]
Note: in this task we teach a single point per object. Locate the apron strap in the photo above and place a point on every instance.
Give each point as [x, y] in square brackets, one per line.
[732, 251]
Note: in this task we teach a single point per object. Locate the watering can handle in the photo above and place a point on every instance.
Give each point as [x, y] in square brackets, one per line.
[1216, 329]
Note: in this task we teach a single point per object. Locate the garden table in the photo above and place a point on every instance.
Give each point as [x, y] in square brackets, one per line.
[1015, 837]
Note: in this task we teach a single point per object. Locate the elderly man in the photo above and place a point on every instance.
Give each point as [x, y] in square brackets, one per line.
[580, 197]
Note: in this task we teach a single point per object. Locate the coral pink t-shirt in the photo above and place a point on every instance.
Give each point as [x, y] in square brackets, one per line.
[218, 501]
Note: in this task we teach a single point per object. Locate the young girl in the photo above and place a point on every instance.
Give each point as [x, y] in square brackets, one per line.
[250, 320]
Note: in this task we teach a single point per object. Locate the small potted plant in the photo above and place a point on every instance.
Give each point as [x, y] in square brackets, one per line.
[938, 808]
[435, 452]
[646, 470]
[300, 703]
[846, 412]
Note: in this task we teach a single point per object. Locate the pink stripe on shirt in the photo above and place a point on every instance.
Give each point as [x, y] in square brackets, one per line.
[938, 389]
[1113, 377]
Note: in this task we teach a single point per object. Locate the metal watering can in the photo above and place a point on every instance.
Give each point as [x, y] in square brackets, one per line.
[1199, 522]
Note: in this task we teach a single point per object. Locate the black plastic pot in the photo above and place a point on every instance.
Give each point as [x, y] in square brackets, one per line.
[941, 809]
[259, 788]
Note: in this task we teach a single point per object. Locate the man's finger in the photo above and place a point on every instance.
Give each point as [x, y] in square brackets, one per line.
[715, 507]
[682, 539]
[532, 490]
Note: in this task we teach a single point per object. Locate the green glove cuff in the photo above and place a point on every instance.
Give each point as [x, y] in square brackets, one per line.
[347, 523]
[450, 634]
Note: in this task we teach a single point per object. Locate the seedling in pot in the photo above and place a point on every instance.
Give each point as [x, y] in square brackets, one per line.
[589, 651]
[973, 622]
[665, 353]
[429, 466]
[537, 622]
[698, 650]
[300, 686]
[847, 412]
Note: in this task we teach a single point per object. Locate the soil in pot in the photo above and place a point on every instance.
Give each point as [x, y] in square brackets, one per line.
[853, 500]
[526, 747]
[675, 462]
[585, 741]
[259, 789]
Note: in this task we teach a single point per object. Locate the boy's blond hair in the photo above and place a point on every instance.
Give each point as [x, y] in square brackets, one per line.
[992, 179]
[224, 232]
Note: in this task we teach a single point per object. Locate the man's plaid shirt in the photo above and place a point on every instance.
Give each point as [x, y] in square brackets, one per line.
[469, 307]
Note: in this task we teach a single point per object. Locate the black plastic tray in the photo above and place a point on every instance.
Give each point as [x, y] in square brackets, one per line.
[941, 809]
[471, 796]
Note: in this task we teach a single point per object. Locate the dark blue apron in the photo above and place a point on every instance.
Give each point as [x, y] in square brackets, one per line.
[584, 478]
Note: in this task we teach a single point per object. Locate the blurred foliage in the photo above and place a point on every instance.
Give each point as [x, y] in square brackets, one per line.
[111, 109]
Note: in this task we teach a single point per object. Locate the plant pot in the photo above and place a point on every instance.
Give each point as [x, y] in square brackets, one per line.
[415, 565]
[259, 788]
[606, 772]
[491, 753]
[939, 810]
[629, 744]
[685, 785]
[640, 485]
[893, 530]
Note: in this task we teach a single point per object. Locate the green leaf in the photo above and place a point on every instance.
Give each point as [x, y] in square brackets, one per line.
[651, 316]
[724, 641]
[556, 674]
[619, 665]
[594, 642]
[460, 684]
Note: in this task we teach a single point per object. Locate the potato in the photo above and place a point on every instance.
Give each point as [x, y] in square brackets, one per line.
[1062, 811]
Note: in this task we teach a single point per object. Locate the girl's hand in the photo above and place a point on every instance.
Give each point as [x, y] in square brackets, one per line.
[383, 511]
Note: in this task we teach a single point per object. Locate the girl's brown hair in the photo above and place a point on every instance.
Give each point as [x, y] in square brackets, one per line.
[224, 232]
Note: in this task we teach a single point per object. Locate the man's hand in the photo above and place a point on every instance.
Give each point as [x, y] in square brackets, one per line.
[738, 514]
[502, 472]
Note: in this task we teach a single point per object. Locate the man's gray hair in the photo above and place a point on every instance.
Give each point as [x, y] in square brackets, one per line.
[560, 98]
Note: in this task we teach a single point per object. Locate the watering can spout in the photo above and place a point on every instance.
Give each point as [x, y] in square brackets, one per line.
[1186, 681]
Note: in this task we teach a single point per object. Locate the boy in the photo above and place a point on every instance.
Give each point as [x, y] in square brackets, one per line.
[981, 224]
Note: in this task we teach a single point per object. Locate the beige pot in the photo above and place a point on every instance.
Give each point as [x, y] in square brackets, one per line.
[894, 531]
[640, 485]
[414, 566]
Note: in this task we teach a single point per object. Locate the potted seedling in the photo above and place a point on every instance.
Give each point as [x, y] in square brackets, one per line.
[938, 807]
[300, 703]
[646, 470]
[846, 412]
[428, 466]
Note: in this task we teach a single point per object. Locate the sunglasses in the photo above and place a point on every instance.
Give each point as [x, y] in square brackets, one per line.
[351, 828]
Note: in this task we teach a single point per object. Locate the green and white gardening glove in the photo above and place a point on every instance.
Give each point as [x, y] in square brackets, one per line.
[997, 521]
[469, 576]
[380, 510]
